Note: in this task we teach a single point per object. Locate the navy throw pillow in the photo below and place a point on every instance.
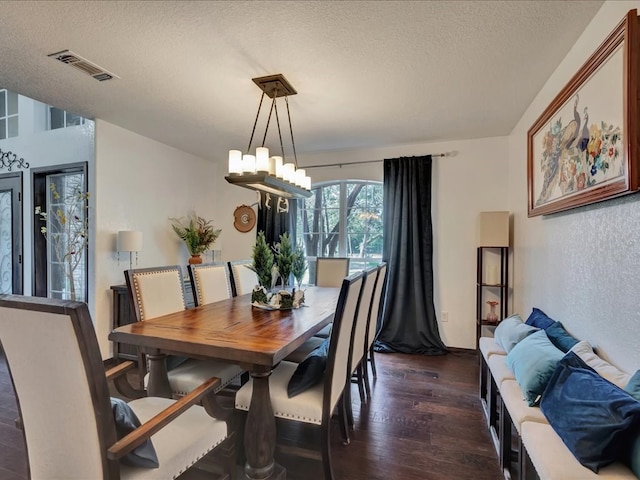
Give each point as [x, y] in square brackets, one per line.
[310, 371]
[560, 337]
[126, 422]
[539, 319]
[596, 420]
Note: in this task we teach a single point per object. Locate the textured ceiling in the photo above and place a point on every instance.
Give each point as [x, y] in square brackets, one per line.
[367, 73]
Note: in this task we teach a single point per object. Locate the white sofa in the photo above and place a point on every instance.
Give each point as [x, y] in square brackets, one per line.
[541, 453]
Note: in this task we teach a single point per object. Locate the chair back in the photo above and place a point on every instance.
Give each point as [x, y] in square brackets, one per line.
[55, 364]
[339, 343]
[359, 334]
[243, 279]
[372, 326]
[330, 271]
[210, 282]
[156, 291]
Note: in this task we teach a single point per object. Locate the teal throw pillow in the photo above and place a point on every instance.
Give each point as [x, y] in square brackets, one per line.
[533, 361]
[510, 331]
[633, 387]
[560, 337]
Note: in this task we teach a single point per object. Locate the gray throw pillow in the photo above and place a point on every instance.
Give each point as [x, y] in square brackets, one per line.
[126, 422]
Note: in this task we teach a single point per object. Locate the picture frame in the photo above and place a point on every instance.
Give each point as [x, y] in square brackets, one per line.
[584, 148]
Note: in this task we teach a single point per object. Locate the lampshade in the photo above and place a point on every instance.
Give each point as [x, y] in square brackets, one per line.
[493, 229]
[260, 171]
[129, 241]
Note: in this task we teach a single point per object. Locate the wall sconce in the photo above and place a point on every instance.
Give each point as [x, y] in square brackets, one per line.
[129, 241]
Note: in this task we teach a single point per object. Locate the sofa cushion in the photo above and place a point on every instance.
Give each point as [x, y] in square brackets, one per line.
[560, 337]
[595, 419]
[510, 331]
[488, 347]
[602, 367]
[533, 361]
[539, 319]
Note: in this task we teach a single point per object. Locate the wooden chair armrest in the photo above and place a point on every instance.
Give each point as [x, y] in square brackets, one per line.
[144, 431]
[120, 381]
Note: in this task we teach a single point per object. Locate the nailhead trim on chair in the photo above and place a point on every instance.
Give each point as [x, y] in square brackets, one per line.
[200, 457]
[137, 288]
[285, 415]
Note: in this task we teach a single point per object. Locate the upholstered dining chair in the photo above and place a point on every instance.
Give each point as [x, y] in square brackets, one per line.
[70, 426]
[330, 271]
[210, 282]
[160, 291]
[243, 279]
[316, 405]
[372, 326]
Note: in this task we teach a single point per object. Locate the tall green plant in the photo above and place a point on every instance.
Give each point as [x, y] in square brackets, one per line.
[262, 260]
[299, 265]
[284, 257]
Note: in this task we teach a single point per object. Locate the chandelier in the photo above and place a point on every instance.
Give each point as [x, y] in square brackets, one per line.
[260, 171]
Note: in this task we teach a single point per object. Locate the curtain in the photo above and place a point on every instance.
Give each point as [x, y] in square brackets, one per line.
[273, 220]
[408, 321]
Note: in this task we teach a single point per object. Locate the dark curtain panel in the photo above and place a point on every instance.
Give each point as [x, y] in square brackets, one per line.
[273, 221]
[409, 319]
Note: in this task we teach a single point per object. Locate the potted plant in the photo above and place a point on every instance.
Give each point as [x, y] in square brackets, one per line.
[197, 234]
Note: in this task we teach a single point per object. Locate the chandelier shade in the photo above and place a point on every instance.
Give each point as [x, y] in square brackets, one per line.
[262, 172]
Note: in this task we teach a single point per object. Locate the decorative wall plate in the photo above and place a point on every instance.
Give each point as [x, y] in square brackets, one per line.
[244, 218]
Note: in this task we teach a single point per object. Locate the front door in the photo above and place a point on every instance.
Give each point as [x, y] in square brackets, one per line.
[11, 233]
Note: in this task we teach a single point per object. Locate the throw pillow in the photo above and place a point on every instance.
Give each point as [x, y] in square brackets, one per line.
[310, 371]
[596, 420]
[603, 368]
[633, 386]
[560, 337]
[126, 422]
[533, 361]
[510, 331]
[539, 319]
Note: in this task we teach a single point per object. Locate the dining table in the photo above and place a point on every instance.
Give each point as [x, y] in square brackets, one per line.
[238, 332]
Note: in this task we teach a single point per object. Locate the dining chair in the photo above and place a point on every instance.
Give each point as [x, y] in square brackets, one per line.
[210, 282]
[316, 405]
[160, 291]
[330, 271]
[68, 421]
[372, 326]
[243, 279]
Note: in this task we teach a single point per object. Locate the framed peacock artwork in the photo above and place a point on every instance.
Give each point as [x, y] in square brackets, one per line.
[585, 146]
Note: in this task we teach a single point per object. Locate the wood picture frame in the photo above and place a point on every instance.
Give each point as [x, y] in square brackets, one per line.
[593, 156]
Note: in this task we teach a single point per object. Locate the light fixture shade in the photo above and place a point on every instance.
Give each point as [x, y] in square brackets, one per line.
[248, 164]
[235, 162]
[300, 174]
[262, 159]
[493, 229]
[288, 172]
[129, 241]
[278, 163]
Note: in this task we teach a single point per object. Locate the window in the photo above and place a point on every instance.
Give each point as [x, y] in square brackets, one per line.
[8, 114]
[62, 119]
[342, 219]
[60, 254]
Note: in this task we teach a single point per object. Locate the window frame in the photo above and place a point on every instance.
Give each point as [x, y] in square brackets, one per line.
[6, 116]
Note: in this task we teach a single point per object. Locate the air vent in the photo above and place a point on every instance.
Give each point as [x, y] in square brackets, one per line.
[85, 66]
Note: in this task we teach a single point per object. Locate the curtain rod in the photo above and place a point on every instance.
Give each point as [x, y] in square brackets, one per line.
[446, 154]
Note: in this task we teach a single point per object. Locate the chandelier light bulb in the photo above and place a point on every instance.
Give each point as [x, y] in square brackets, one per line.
[262, 159]
[299, 179]
[235, 162]
[248, 164]
[279, 169]
[307, 182]
[289, 170]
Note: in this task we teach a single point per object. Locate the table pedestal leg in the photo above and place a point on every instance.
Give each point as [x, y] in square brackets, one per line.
[158, 385]
[260, 433]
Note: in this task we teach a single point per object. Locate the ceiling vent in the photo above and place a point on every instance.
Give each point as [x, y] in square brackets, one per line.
[85, 66]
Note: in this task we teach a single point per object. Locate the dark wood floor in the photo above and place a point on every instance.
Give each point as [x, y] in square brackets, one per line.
[424, 422]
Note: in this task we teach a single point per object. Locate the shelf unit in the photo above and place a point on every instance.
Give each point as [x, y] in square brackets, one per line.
[484, 289]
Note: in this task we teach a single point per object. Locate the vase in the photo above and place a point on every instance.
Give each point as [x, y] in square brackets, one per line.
[492, 316]
[195, 260]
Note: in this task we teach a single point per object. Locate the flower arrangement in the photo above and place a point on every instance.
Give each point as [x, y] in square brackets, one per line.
[196, 232]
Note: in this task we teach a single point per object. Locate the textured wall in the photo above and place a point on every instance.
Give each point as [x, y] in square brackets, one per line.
[581, 266]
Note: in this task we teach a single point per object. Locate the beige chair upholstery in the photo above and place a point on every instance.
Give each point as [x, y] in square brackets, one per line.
[160, 291]
[210, 282]
[316, 405]
[372, 325]
[330, 271]
[243, 278]
[62, 392]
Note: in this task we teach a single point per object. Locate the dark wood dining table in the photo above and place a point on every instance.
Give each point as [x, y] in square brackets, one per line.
[235, 331]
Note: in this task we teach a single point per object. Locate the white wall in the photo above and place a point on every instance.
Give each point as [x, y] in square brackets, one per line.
[140, 184]
[474, 179]
[582, 266]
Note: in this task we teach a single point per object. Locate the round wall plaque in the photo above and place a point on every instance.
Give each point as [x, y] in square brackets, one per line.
[244, 218]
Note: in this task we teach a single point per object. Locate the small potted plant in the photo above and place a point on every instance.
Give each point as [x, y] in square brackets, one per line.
[197, 233]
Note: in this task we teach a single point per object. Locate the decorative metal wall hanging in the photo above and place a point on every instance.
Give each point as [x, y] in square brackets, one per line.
[9, 159]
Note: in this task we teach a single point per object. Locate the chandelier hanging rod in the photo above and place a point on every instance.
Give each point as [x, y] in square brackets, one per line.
[445, 154]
